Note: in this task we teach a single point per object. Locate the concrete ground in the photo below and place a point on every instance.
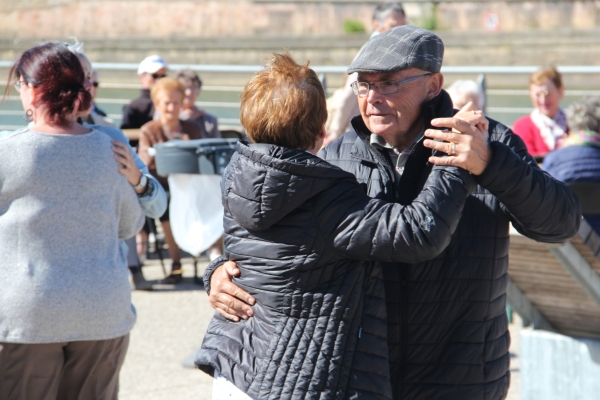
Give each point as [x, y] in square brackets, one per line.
[170, 326]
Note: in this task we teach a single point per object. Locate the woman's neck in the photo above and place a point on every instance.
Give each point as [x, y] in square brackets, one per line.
[171, 126]
[73, 128]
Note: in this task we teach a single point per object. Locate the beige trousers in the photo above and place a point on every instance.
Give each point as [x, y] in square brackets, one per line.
[85, 370]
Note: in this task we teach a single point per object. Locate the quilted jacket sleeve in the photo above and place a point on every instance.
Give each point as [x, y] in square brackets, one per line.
[539, 206]
[374, 230]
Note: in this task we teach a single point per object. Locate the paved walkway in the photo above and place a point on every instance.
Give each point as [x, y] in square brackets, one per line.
[170, 326]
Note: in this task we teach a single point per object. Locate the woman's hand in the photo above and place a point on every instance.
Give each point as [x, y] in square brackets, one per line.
[126, 164]
[466, 145]
[474, 116]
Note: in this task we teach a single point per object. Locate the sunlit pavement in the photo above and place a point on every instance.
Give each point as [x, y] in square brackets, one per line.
[171, 322]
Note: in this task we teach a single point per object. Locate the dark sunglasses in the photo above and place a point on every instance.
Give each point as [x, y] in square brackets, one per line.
[95, 84]
[158, 76]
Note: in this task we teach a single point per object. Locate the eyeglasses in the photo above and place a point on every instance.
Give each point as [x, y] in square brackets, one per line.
[95, 84]
[158, 76]
[361, 89]
[18, 85]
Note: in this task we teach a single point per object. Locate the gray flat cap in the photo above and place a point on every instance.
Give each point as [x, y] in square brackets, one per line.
[400, 48]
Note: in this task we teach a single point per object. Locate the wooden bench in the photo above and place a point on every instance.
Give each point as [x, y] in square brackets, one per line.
[557, 286]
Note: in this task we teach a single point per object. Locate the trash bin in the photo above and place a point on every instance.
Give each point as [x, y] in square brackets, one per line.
[202, 156]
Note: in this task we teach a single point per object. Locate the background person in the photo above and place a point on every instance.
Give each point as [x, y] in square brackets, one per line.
[167, 95]
[151, 195]
[141, 110]
[205, 121]
[96, 116]
[578, 159]
[297, 227]
[65, 300]
[190, 112]
[546, 126]
[447, 326]
[463, 91]
[342, 105]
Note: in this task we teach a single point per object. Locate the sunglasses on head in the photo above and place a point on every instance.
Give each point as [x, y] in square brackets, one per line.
[158, 76]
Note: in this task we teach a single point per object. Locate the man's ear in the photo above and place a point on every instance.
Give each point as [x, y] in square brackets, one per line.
[436, 82]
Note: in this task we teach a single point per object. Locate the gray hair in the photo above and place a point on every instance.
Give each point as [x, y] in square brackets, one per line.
[382, 11]
[465, 86]
[584, 114]
[77, 49]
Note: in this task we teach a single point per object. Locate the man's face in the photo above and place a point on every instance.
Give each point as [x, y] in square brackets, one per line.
[148, 80]
[391, 21]
[391, 116]
[546, 97]
[94, 81]
[192, 91]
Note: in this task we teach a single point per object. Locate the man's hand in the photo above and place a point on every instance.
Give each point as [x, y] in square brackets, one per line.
[226, 298]
[465, 143]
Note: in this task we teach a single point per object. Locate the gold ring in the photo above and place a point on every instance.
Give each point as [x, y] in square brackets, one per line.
[453, 149]
[474, 113]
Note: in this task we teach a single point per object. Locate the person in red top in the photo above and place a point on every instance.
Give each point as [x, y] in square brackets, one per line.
[546, 126]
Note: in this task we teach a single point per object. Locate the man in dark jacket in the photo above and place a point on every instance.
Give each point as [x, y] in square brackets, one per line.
[447, 325]
[141, 110]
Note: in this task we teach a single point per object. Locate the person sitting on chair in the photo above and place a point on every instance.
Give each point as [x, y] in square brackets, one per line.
[167, 96]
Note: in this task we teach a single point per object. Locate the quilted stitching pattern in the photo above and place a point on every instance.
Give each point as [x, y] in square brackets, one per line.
[319, 330]
[455, 345]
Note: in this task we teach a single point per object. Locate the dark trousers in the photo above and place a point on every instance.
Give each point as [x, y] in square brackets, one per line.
[84, 370]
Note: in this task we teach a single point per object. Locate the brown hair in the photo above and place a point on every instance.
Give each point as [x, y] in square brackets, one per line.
[166, 84]
[284, 104]
[544, 74]
[57, 75]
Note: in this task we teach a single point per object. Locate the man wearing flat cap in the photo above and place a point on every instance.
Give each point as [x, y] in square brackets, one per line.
[447, 325]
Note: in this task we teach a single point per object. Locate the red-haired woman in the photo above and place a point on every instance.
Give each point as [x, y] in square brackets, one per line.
[65, 303]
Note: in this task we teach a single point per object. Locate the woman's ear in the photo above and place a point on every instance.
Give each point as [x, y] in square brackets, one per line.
[436, 82]
[323, 133]
[33, 95]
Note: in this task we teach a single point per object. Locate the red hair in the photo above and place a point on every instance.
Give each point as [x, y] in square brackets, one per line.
[284, 104]
[57, 76]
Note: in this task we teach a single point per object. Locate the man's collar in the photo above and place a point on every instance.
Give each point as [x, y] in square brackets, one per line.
[379, 143]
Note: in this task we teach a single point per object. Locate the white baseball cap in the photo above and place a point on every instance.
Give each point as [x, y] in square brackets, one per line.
[151, 64]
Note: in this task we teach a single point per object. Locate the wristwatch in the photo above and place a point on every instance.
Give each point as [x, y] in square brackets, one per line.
[142, 184]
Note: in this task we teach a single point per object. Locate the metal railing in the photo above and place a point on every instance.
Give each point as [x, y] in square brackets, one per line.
[249, 69]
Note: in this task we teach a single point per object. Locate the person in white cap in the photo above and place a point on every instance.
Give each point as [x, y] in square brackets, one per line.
[141, 110]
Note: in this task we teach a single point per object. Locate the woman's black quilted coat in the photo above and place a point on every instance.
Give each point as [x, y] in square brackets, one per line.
[297, 226]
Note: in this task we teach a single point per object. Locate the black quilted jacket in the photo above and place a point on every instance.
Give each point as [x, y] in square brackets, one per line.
[447, 326]
[297, 226]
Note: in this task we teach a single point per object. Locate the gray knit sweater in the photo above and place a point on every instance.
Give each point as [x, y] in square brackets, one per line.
[63, 208]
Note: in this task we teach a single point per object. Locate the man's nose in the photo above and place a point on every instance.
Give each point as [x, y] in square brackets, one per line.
[373, 96]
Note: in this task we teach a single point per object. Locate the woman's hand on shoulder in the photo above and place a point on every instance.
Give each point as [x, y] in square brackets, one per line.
[126, 163]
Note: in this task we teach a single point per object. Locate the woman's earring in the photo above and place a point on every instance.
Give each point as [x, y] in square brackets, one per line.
[28, 115]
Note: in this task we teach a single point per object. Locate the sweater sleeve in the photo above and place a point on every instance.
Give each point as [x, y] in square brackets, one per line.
[131, 215]
[374, 230]
[539, 206]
